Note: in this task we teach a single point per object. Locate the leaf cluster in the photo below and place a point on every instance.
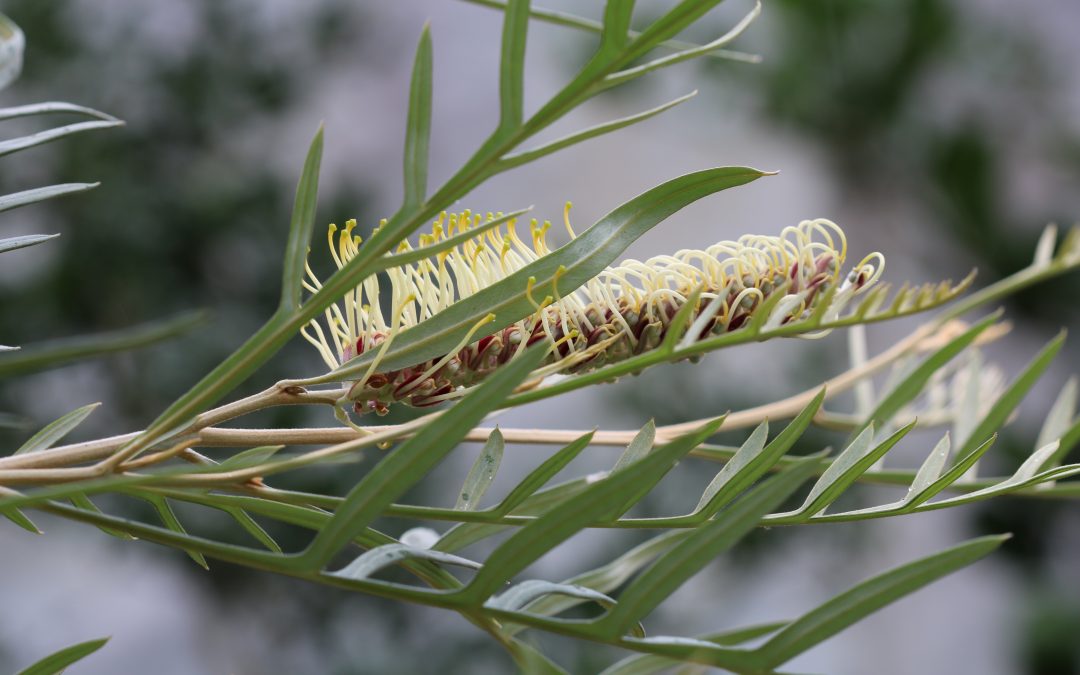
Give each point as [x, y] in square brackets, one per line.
[760, 483]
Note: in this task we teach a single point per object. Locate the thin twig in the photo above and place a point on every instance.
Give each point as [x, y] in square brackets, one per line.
[51, 465]
[77, 453]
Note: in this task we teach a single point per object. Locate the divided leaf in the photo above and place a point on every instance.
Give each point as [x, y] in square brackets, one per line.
[848, 466]
[413, 459]
[699, 548]
[599, 501]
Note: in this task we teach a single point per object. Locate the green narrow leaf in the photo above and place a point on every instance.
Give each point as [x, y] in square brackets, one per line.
[694, 650]
[55, 663]
[526, 499]
[685, 55]
[606, 578]
[676, 566]
[1024, 475]
[915, 382]
[746, 467]
[1065, 260]
[252, 527]
[56, 430]
[667, 26]
[871, 595]
[1068, 442]
[412, 460]
[512, 66]
[849, 465]
[51, 107]
[520, 595]
[447, 243]
[926, 478]
[748, 451]
[12, 243]
[418, 125]
[301, 226]
[533, 589]
[370, 562]
[596, 503]
[17, 199]
[615, 29]
[178, 539]
[58, 352]
[967, 414]
[649, 664]
[531, 661]
[1012, 396]
[580, 260]
[536, 504]
[310, 518]
[1061, 415]
[83, 502]
[533, 154]
[639, 446]
[482, 473]
[539, 476]
[250, 457]
[954, 474]
[931, 468]
[23, 142]
[169, 520]
[19, 518]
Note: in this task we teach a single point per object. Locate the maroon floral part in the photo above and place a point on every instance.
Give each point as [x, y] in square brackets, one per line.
[626, 310]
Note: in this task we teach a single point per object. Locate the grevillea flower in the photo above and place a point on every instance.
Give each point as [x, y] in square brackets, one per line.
[624, 311]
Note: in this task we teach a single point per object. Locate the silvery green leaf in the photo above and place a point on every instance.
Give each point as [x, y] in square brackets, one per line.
[640, 446]
[931, 468]
[56, 430]
[251, 457]
[376, 559]
[17, 199]
[51, 107]
[30, 140]
[750, 449]
[525, 592]
[1061, 414]
[1044, 250]
[482, 473]
[12, 243]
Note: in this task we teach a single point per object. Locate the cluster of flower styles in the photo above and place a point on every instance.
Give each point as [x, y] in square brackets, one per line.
[626, 310]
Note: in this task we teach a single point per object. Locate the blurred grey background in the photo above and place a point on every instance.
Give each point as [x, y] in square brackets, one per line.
[943, 133]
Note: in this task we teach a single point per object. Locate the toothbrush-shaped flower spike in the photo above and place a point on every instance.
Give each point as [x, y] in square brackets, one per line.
[625, 310]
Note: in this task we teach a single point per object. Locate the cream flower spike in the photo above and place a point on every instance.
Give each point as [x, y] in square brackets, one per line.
[623, 311]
